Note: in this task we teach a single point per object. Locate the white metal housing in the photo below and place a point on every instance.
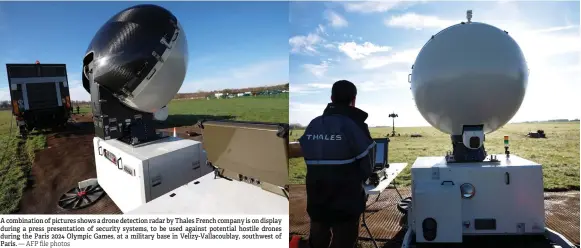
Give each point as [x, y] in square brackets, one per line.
[469, 74]
[509, 191]
[141, 174]
[210, 195]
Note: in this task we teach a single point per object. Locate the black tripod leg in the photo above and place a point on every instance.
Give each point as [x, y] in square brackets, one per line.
[397, 191]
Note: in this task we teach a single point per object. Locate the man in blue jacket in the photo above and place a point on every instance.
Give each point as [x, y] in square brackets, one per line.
[336, 147]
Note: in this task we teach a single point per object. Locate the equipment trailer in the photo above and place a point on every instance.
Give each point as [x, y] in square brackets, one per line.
[39, 95]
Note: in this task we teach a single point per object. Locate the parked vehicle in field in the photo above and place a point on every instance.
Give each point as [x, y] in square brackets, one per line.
[39, 94]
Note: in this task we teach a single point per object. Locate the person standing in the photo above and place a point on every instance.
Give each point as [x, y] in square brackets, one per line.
[336, 147]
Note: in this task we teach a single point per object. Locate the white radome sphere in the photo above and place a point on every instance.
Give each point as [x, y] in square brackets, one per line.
[469, 74]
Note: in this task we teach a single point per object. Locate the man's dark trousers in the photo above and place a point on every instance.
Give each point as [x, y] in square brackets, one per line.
[334, 235]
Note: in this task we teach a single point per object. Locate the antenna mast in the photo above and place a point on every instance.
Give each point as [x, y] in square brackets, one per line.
[469, 16]
[393, 115]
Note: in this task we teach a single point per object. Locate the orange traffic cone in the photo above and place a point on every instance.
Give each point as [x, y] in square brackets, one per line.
[174, 132]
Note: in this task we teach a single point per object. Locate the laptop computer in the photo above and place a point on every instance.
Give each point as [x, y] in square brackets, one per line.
[380, 155]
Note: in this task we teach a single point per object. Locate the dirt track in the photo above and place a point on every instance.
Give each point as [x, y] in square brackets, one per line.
[385, 222]
[67, 160]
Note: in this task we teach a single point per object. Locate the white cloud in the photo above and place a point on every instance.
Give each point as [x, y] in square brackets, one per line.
[303, 113]
[320, 85]
[538, 47]
[297, 88]
[418, 22]
[329, 46]
[321, 29]
[371, 82]
[371, 7]
[355, 51]
[317, 70]
[304, 44]
[405, 57]
[554, 29]
[335, 20]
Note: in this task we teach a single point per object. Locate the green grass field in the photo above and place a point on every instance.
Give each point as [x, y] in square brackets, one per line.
[16, 161]
[259, 108]
[559, 153]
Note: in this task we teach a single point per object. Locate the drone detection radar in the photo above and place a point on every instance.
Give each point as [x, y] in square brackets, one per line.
[469, 79]
[133, 68]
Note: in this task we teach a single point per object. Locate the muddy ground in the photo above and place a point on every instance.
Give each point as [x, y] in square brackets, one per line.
[67, 159]
[386, 222]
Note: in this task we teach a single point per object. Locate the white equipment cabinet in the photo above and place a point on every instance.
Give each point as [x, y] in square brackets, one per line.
[133, 176]
[216, 195]
[506, 198]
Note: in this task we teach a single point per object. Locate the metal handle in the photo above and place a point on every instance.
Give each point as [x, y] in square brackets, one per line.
[152, 73]
[119, 164]
[447, 182]
[100, 150]
[506, 178]
[410, 78]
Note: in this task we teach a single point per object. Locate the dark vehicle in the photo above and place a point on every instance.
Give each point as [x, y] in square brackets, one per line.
[39, 95]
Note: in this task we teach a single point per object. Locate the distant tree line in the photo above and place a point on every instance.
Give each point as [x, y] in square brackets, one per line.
[4, 104]
[204, 94]
[296, 126]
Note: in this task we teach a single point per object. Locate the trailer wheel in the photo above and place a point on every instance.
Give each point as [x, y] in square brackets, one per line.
[404, 204]
[78, 198]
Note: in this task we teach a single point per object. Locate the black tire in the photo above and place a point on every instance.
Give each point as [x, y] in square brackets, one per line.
[404, 204]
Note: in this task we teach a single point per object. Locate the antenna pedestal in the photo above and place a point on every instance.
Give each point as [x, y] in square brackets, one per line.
[114, 120]
[468, 147]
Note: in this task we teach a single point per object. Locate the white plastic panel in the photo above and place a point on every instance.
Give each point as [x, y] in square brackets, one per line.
[441, 201]
[124, 189]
